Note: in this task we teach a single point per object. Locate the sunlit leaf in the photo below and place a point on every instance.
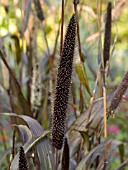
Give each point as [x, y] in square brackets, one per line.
[86, 138]
[17, 48]
[81, 72]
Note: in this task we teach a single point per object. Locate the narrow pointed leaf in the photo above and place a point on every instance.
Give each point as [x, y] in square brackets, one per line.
[81, 72]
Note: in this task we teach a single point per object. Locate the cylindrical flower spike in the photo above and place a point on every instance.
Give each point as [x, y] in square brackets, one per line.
[118, 94]
[107, 37]
[39, 10]
[23, 165]
[63, 85]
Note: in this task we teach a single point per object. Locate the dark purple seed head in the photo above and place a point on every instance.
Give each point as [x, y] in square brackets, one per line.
[23, 165]
[121, 89]
[39, 10]
[107, 37]
[63, 86]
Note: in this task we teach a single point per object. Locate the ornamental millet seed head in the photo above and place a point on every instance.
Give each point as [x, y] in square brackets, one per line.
[121, 89]
[63, 85]
[23, 165]
[107, 36]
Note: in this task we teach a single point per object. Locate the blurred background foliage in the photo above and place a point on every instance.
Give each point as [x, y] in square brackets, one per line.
[28, 41]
